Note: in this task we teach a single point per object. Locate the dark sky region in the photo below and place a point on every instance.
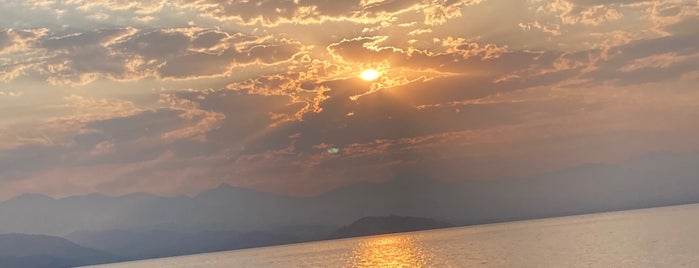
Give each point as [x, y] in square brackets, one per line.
[174, 97]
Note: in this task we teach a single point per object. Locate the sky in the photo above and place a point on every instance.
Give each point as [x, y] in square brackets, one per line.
[174, 97]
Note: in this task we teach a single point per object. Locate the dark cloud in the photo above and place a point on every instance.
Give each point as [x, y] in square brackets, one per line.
[157, 44]
[683, 27]
[82, 57]
[195, 64]
[211, 39]
[5, 40]
[649, 60]
[272, 12]
[128, 53]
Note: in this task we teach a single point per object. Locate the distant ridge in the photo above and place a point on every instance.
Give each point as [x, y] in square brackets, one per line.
[137, 245]
[386, 225]
[38, 251]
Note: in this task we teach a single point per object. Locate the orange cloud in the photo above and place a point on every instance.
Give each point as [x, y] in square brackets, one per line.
[130, 54]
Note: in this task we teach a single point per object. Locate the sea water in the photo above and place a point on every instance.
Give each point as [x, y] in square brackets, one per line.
[659, 237]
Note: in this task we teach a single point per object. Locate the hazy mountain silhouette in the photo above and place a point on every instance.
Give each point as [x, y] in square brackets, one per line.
[154, 244]
[21, 250]
[386, 225]
[228, 217]
[158, 243]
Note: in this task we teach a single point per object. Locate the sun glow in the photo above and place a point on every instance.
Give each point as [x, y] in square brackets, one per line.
[369, 75]
[390, 251]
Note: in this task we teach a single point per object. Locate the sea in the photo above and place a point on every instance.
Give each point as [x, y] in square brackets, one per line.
[658, 237]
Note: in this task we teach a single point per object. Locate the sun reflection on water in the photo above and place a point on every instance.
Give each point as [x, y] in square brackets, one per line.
[389, 251]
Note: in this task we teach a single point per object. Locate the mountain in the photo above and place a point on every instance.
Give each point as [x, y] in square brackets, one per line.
[219, 209]
[21, 250]
[245, 217]
[386, 225]
[159, 243]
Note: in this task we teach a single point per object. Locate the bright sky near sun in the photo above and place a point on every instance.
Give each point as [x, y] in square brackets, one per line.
[173, 97]
[369, 75]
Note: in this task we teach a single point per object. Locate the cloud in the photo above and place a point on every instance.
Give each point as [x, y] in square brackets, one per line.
[197, 64]
[189, 94]
[11, 72]
[105, 136]
[103, 148]
[83, 57]
[674, 17]
[68, 120]
[377, 115]
[200, 122]
[582, 12]
[273, 13]
[439, 12]
[649, 60]
[12, 41]
[403, 112]
[159, 44]
[457, 55]
[10, 93]
[553, 29]
[597, 123]
[138, 7]
[262, 12]
[129, 54]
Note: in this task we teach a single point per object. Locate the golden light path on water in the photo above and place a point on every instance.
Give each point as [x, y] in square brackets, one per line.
[389, 251]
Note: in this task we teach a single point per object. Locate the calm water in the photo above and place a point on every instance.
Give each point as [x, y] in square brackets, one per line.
[661, 237]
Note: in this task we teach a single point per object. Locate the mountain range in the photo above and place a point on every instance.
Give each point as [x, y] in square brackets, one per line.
[227, 217]
[21, 250]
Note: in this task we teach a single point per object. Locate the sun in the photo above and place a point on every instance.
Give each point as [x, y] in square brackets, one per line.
[369, 75]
